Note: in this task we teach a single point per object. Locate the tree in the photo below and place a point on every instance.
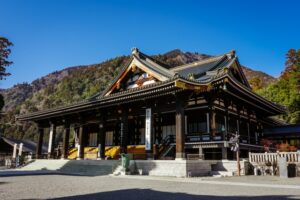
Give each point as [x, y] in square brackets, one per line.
[5, 50]
[286, 90]
[292, 63]
[4, 53]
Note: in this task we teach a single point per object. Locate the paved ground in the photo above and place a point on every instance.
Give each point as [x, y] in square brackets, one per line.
[50, 186]
[269, 180]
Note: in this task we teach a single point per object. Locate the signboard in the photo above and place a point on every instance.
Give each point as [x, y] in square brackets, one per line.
[189, 86]
[148, 130]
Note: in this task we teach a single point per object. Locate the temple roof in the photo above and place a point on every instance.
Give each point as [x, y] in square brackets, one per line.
[28, 145]
[199, 75]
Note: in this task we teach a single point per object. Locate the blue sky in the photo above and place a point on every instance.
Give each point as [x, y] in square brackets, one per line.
[52, 35]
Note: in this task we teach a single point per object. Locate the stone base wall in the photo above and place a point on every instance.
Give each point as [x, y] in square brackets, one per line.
[175, 168]
[231, 166]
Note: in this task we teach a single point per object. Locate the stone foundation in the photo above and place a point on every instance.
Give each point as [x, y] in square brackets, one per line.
[175, 168]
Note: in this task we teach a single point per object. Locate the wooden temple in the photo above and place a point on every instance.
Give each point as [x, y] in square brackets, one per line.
[171, 113]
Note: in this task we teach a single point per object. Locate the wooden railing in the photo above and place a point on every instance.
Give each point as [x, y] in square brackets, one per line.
[257, 158]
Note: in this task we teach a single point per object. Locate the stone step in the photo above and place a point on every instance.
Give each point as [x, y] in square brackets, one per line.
[82, 167]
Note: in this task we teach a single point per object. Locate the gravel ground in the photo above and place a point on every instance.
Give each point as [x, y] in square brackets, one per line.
[138, 188]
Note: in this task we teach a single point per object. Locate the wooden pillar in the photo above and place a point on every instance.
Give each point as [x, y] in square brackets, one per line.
[226, 104]
[180, 128]
[81, 143]
[158, 130]
[40, 142]
[207, 123]
[101, 137]
[137, 138]
[248, 128]
[225, 135]
[238, 120]
[212, 121]
[52, 135]
[66, 136]
[124, 131]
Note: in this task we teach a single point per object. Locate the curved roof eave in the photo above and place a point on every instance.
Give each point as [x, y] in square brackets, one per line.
[279, 109]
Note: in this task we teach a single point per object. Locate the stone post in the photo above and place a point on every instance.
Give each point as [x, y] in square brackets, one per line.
[282, 164]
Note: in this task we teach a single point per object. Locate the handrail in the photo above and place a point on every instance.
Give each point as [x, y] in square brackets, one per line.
[169, 139]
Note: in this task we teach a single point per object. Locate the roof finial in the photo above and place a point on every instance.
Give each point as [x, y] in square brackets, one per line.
[134, 50]
[232, 52]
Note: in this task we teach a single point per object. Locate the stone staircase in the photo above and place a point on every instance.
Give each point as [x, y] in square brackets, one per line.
[40, 164]
[75, 167]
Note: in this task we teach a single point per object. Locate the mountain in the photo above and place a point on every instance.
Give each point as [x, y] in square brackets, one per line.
[54, 82]
[257, 79]
[77, 83]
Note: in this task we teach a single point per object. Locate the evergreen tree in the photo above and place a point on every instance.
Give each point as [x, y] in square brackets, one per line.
[4, 63]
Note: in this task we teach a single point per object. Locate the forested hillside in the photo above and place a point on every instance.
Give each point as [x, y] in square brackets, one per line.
[81, 82]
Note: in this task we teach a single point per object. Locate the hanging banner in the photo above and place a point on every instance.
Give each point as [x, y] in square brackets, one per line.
[148, 130]
[20, 149]
[50, 138]
[15, 151]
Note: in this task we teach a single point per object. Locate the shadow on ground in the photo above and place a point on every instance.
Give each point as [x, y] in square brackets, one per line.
[149, 194]
[34, 173]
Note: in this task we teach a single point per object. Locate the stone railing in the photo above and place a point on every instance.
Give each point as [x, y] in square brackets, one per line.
[262, 158]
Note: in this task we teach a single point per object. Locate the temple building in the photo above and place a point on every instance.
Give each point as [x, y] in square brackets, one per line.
[154, 111]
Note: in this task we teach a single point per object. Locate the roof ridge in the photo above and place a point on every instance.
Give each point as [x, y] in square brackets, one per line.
[154, 60]
[158, 66]
[192, 64]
